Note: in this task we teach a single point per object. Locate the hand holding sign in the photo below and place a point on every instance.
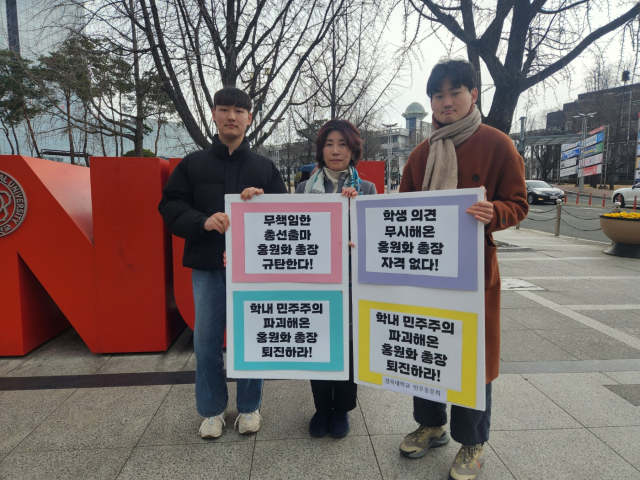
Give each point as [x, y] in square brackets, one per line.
[483, 211]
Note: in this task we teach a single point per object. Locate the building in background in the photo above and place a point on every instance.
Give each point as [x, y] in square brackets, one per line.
[615, 108]
[34, 28]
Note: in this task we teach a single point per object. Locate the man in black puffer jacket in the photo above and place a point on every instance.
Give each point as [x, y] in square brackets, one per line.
[192, 205]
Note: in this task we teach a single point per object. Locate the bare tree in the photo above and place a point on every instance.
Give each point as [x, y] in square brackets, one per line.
[197, 46]
[346, 78]
[524, 42]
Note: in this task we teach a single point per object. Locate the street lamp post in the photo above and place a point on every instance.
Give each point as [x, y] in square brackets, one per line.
[388, 169]
[584, 117]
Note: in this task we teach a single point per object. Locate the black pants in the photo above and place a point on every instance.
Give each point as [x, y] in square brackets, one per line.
[468, 426]
[336, 395]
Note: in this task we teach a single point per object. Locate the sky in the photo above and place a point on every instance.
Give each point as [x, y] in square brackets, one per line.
[414, 85]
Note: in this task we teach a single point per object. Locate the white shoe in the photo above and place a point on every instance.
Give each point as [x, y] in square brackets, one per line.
[212, 427]
[248, 422]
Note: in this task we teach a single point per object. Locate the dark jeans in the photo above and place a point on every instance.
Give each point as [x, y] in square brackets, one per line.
[468, 426]
[210, 298]
[336, 395]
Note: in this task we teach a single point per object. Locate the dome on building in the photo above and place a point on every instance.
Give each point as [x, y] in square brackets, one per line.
[415, 110]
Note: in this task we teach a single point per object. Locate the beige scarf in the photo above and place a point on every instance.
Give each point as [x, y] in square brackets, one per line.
[442, 165]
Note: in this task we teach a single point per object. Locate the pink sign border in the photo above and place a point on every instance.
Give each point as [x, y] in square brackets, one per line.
[238, 264]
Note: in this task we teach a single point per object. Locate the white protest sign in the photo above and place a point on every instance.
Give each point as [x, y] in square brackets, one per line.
[420, 331]
[287, 287]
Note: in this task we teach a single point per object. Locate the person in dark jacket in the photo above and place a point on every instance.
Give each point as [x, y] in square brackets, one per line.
[338, 151]
[192, 205]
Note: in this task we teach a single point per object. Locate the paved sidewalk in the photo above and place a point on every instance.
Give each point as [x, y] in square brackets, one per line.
[566, 406]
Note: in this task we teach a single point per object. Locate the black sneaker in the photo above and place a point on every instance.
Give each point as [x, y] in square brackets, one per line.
[339, 425]
[319, 424]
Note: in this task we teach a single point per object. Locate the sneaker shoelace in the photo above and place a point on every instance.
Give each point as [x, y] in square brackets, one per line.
[212, 420]
[420, 434]
[468, 455]
[247, 416]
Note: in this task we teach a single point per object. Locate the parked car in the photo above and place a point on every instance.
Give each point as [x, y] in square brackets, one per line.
[539, 191]
[626, 195]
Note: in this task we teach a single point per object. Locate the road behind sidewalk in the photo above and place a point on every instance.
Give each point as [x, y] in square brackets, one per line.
[566, 405]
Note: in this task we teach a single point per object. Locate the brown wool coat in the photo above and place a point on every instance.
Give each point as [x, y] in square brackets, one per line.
[488, 158]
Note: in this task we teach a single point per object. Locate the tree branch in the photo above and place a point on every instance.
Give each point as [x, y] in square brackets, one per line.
[588, 40]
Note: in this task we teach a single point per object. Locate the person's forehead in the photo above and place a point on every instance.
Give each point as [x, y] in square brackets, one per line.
[335, 135]
[446, 85]
[231, 106]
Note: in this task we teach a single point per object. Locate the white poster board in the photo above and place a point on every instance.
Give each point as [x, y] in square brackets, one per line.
[418, 295]
[288, 287]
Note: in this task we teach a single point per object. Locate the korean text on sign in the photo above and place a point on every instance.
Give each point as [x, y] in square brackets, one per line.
[287, 331]
[288, 243]
[410, 240]
[419, 348]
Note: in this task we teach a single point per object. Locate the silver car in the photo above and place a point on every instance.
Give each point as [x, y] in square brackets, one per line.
[626, 195]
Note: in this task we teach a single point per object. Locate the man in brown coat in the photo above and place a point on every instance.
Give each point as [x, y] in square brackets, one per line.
[463, 153]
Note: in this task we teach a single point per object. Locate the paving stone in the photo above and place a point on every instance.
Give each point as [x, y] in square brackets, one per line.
[191, 363]
[565, 285]
[64, 465]
[584, 297]
[512, 395]
[528, 346]
[625, 377]
[206, 461]
[559, 455]
[623, 440]
[617, 319]
[8, 364]
[177, 420]
[507, 369]
[515, 300]
[631, 393]
[68, 355]
[585, 398]
[98, 418]
[386, 412]
[315, 458]
[541, 318]
[589, 344]
[22, 411]
[434, 465]
[507, 323]
[287, 416]
[172, 360]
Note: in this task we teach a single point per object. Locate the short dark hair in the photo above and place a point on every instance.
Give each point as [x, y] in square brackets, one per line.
[232, 97]
[458, 71]
[350, 134]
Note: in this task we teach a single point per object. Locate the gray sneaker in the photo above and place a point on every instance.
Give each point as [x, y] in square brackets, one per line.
[418, 443]
[468, 463]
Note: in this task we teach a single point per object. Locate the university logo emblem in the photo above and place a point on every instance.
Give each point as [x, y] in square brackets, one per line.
[13, 204]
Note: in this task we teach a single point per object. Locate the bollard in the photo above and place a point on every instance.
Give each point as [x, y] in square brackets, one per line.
[635, 200]
[604, 196]
[590, 198]
[558, 214]
[566, 196]
[577, 198]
